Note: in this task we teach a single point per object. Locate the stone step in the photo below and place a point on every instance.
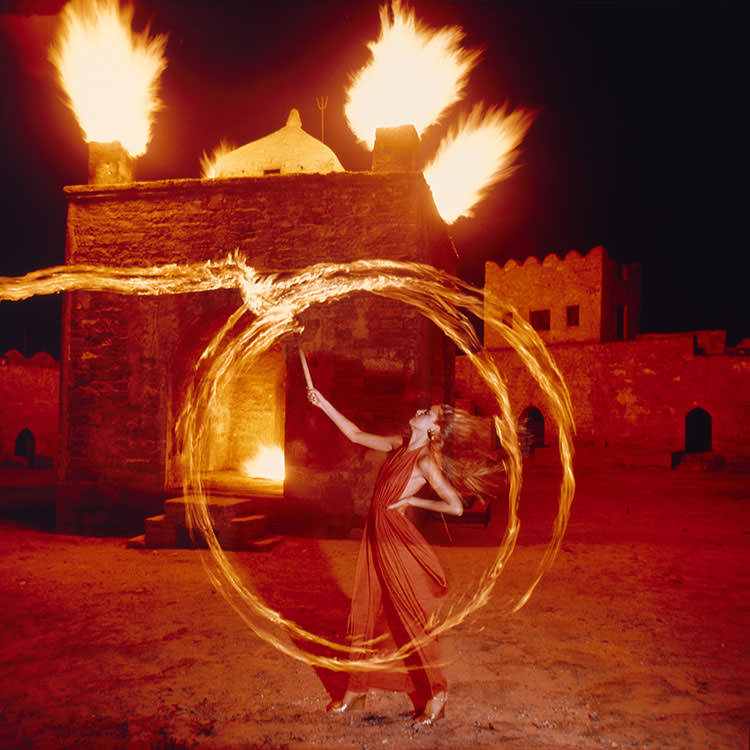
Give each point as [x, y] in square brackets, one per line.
[160, 534]
[265, 544]
[221, 510]
[245, 530]
[251, 532]
[710, 461]
[136, 542]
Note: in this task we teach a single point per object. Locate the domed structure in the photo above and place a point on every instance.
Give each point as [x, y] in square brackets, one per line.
[289, 150]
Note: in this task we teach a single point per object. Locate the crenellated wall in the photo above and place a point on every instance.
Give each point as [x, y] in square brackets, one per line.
[126, 359]
[593, 283]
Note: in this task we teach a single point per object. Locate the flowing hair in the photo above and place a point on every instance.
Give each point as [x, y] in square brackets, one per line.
[462, 450]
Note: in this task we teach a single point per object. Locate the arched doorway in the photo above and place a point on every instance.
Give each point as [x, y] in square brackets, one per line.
[532, 430]
[248, 415]
[697, 431]
[26, 446]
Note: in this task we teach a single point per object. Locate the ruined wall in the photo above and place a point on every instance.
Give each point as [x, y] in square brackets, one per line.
[630, 398]
[118, 352]
[30, 398]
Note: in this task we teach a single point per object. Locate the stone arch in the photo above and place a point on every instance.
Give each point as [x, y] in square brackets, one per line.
[697, 431]
[26, 446]
[250, 414]
[531, 425]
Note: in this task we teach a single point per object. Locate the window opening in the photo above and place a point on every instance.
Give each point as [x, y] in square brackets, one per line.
[540, 320]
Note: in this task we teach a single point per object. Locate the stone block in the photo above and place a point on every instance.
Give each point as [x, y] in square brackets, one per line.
[243, 531]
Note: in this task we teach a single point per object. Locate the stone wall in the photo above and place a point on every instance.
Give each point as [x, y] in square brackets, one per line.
[593, 283]
[29, 394]
[631, 398]
[126, 359]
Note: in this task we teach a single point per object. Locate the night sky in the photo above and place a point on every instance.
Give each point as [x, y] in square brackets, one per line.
[636, 145]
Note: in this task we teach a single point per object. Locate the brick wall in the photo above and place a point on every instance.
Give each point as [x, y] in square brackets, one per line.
[126, 359]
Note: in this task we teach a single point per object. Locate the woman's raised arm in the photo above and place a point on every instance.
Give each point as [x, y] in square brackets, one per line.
[376, 442]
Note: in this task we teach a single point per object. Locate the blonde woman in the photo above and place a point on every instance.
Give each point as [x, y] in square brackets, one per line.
[399, 583]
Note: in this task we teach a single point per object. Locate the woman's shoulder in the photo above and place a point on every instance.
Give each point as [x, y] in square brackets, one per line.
[425, 460]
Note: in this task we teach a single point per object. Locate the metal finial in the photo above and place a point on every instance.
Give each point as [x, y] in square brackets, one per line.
[322, 102]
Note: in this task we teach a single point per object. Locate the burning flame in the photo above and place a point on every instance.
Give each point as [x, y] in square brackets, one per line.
[268, 463]
[210, 164]
[414, 75]
[475, 155]
[109, 74]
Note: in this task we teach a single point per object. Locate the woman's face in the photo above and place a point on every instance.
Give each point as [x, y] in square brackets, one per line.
[426, 419]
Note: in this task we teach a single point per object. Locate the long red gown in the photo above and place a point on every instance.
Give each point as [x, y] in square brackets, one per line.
[398, 585]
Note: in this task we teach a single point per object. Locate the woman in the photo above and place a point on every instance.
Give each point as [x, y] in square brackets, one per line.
[399, 583]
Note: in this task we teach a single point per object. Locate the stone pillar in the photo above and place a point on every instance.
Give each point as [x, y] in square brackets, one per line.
[109, 164]
[396, 149]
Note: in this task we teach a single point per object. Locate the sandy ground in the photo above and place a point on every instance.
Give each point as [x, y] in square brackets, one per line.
[637, 637]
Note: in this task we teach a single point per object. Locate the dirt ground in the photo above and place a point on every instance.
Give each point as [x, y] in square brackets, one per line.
[636, 638]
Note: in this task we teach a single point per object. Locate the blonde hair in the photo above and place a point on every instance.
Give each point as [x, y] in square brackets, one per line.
[461, 450]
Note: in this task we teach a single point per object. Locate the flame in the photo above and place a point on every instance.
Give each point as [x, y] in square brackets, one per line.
[210, 164]
[268, 463]
[475, 155]
[414, 75]
[109, 74]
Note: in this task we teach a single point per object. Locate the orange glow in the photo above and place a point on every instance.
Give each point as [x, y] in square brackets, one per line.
[414, 75]
[268, 463]
[109, 74]
[474, 156]
[209, 164]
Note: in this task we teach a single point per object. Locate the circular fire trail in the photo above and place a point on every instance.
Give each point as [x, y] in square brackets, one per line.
[275, 302]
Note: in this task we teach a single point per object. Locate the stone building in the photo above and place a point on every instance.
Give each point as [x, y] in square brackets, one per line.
[126, 360]
[30, 395]
[654, 399]
[578, 298]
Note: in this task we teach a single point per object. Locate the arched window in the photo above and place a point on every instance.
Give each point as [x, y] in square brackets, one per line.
[26, 445]
[531, 429]
[697, 431]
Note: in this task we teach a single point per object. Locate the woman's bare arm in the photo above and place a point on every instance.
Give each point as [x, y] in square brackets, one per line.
[376, 442]
[450, 500]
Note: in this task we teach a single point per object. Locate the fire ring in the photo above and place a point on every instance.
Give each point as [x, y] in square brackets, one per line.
[440, 298]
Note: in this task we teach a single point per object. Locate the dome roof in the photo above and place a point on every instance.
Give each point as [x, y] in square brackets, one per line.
[288, 150]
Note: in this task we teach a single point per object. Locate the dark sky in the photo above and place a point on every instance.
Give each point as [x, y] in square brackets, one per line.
[636, 145]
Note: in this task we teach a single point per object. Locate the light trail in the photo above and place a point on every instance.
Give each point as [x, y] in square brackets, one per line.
[277, 300]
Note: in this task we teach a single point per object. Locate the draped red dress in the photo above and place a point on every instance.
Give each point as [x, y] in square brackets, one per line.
[398, 585]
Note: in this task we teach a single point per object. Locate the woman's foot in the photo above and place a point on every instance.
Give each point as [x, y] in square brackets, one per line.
[434, 710]
[349, 702]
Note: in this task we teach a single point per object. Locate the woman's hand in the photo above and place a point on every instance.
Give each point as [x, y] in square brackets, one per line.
[314, 397]
[401, 505]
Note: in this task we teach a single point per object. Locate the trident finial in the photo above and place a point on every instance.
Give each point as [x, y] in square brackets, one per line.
[322, 102]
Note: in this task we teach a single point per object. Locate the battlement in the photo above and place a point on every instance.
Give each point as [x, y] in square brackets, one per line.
[41, 359]
[574, 298]
[594, 255]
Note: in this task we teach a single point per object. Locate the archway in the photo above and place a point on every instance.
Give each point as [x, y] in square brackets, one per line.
[697, 431]
[26, 446]
[531, 429]
[248, 418]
